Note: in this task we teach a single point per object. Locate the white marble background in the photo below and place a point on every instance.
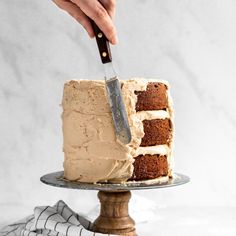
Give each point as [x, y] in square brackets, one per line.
[192, 44]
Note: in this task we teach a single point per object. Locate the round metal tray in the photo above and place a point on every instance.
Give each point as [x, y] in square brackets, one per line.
[56, 179]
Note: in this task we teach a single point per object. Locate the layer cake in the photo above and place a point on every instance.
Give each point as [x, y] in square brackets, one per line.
[91, 151]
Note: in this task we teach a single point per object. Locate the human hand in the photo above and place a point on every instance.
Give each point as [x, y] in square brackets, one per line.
[100, 11]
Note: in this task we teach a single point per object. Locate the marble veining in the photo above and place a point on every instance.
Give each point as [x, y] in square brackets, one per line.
[189, 43]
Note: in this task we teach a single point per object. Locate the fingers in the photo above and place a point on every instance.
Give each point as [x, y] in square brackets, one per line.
[76, 13]
[109, 5]
[98, 13]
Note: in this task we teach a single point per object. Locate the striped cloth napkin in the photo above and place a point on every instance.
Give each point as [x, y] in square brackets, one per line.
[58, 220]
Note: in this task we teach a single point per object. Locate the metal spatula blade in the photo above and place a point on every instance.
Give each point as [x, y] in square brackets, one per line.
[117, 105]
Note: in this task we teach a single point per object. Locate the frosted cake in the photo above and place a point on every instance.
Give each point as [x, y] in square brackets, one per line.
[91, 151]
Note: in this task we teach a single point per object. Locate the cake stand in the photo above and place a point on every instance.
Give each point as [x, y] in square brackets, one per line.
[114, 198]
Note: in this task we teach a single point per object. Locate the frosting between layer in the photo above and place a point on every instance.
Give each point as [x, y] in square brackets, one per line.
[151, 115]
[152, 150]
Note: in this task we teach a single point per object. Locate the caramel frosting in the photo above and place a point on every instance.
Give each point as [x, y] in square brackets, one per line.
[92, 152]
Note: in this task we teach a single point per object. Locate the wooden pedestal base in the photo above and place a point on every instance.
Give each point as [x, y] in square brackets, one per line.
[114, 216]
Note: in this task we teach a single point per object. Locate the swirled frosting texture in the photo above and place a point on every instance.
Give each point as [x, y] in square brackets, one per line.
[91, 151]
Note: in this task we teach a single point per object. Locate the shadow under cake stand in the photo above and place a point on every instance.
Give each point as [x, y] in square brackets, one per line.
[114, 198]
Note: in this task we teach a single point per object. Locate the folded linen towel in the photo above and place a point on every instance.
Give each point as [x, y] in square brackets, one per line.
[58, 220]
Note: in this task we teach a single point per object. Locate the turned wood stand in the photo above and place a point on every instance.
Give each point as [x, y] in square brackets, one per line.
[114, 215]
[114, 200]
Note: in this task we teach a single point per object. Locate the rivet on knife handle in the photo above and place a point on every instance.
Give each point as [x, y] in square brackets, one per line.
[103, 44]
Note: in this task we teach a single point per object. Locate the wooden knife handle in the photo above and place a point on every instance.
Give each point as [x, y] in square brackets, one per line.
[103, 44]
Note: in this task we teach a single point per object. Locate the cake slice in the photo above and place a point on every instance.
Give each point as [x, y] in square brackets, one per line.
[91, 151]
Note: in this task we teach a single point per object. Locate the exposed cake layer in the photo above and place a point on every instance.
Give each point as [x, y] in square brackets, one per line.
[150, 167]
[160, 150]
[153, 98]
[154, 109]
[156, 132]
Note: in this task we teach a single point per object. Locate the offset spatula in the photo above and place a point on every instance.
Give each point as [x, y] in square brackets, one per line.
[113, 88]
